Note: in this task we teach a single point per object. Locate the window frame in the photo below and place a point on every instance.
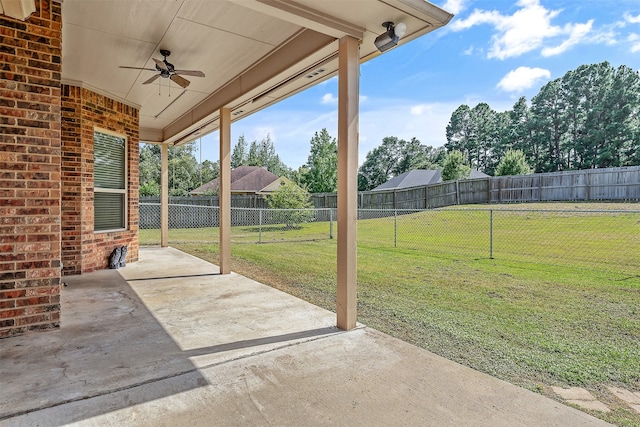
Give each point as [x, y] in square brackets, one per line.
[124, 191]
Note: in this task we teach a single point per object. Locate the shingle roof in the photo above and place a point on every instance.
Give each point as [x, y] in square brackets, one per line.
[244, 179]
[419, 177]
[412, 178]
[475, 174]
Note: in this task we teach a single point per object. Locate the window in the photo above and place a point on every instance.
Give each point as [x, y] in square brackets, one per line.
[110, 181]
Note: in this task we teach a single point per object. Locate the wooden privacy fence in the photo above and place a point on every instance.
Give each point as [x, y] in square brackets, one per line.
[611, 184]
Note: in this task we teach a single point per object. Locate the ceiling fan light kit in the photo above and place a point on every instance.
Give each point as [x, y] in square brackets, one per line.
[168, 71]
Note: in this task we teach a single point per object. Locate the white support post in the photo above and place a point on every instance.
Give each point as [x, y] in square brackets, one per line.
[225, 191]
[164, 195]
[348, 102]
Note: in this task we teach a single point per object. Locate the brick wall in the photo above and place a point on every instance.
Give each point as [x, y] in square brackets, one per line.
[83, 110]
[30, 193]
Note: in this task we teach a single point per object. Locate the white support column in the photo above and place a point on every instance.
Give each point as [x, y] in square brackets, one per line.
[164, 195]
[348, 102]
[225, 191]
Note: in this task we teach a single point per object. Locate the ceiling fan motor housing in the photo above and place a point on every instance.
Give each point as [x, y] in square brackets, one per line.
[167, 70]
[166, 73]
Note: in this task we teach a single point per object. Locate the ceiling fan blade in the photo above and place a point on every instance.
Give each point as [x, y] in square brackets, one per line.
[190, 73]
[137, 68]
[160, 64]
[151, 80]
[180, 80]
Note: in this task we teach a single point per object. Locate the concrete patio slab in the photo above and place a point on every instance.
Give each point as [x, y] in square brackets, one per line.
[169, 341]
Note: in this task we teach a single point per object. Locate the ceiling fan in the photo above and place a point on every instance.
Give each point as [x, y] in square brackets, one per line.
[168, 71]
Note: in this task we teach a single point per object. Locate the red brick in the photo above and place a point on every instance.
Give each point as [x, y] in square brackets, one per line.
[30, 153]
[11, 314]
[22, 302]
[7, 304]
[12, 294]
[4, 324]
[39, 318]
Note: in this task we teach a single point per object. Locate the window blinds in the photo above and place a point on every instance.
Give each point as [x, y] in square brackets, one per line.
[109, 181]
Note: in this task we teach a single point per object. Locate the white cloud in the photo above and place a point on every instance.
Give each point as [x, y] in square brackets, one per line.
[328, 98]
[527, 29]
[363, 98]
[633, 38]
[454, 6]
[478, 17]
[260, 132]
[420, 109]
[607, 36]
[577, 33]
[631, 19]
[522, 78]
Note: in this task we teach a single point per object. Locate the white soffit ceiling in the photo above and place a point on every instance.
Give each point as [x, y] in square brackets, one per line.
[253, 52]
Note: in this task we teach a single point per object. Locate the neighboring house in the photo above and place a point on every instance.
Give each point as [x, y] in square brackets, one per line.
[245, 180]
[418, 177]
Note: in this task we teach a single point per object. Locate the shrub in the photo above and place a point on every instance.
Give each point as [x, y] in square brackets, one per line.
[454, 167]
[293, 204]
[513, 163]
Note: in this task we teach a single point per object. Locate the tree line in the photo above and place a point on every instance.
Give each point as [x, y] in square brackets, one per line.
[586, 119]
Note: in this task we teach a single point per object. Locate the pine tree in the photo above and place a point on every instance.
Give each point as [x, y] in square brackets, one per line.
[239, 155]
[321, 174]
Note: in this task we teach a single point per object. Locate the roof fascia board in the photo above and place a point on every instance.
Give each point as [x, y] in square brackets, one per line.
[441, 16]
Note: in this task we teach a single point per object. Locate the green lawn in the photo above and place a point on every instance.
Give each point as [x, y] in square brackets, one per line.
[559, 304]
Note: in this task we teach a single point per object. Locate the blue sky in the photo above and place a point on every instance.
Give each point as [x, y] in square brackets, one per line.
[492, 51]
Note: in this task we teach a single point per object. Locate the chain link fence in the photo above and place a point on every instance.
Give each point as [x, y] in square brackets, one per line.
[607, 237]
[610, 238]
[193, 224]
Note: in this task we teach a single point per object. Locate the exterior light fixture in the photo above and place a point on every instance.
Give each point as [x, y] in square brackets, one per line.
[389, 38]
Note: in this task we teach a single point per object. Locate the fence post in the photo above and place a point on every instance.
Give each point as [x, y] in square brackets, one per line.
[330, 223]
[489, 190]
[395, 229]
[426, 196]
[260, 226]
[490, 233]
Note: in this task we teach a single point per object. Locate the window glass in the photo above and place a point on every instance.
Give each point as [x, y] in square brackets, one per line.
[109, 181]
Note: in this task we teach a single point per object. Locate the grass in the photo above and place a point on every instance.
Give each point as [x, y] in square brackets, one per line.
[558, 304]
